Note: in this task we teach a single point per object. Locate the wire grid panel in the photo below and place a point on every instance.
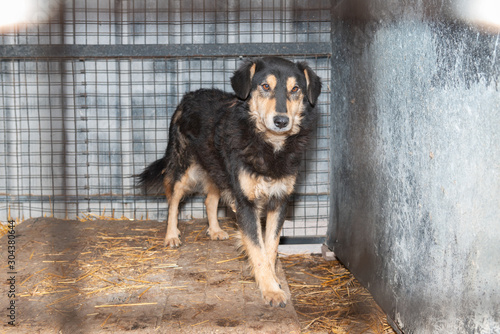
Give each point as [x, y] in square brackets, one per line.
[108, 22]
[74, 131]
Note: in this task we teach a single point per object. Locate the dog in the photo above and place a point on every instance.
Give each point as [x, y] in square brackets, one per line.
[245, 148]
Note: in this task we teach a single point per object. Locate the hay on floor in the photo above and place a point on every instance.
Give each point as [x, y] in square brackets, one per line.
[329, 299]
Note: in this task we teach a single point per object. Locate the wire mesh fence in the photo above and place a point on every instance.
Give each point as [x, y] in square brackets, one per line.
[75, 129]
[106, 22]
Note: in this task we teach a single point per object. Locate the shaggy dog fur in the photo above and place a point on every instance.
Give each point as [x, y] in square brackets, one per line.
[245, 148]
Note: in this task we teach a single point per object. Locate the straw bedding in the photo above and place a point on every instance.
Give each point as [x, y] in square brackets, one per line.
[328, 299]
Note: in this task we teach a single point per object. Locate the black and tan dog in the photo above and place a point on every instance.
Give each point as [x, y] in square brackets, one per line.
[246, 149]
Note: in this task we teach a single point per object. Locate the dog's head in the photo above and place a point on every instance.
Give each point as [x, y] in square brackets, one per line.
[279, 93]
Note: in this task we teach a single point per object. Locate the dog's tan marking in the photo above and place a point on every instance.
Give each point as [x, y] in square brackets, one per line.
[194, 178]
[256, 187]
[290, 83]
[263, 272]
[247, 184]
[177, 115]
[167, 184]
[272, 81]
[272, 238]
[277, 141]
[261, 107]
[307, 77]
[252, 71]
[174, 196]
[294, 106]
[263, 111]
[211, 203]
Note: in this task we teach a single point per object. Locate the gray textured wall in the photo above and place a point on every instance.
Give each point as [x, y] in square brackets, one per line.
[416, 164]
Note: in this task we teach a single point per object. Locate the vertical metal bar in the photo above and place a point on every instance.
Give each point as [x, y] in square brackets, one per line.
[109, 129]
[73, 12]
[97, 123]
[20, 153]
[85, 133]
[64, 109]
[86, 23]
[4, 131]
[17, 140]
[125, 105]
[74, 150]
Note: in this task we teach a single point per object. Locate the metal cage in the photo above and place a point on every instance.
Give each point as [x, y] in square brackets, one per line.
[88, 89]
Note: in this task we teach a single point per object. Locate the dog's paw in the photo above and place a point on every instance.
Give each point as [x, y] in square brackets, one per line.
[217, 234]
[172, 242]
[275, 297]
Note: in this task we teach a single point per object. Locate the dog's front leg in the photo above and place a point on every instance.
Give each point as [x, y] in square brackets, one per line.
[249, 222]
[274, 222]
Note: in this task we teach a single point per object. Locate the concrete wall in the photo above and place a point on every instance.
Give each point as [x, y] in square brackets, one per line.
[416, 163]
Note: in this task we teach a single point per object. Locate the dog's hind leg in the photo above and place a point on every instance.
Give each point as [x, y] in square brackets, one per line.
[211, 203]
[173, 199]
[175, 191]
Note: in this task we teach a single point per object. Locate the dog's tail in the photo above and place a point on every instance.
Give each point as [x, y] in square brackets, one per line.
[151, 179]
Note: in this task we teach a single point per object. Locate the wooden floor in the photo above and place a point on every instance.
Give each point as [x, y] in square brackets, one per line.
[116, 276]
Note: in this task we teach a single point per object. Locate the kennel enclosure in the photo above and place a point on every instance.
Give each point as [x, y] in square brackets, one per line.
[87, 97]
[402, 176]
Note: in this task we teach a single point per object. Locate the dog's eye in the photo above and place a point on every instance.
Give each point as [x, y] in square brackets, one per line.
[295, 89]
[266, 87]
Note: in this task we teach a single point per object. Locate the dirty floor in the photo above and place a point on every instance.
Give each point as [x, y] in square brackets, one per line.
[329, 300]
[115, 276]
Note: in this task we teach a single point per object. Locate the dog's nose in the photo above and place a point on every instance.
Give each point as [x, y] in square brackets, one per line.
[281, 121]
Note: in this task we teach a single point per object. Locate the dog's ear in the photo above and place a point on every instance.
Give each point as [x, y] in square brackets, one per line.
[313, 83]
[242, 79]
